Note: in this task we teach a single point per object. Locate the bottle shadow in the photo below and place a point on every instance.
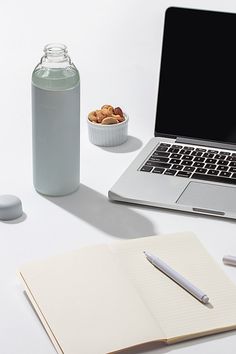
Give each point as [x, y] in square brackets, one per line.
[113, 219]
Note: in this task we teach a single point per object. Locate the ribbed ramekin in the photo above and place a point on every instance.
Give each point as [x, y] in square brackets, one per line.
[108, 135]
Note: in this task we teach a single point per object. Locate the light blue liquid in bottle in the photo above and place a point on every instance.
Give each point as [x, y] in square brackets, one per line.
[56, 123]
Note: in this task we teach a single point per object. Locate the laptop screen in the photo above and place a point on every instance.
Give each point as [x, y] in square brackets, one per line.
[197, 87]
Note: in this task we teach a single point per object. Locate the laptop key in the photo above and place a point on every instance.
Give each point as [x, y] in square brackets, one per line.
[146, 168]
[177, 146]
[225, 174]
[185, 152]
[170, 172]
[207, 155]
[201, 149]
[222, 168]
[162, 148]
[158, 170]
[175, 151]
[213, 151]
[175, 161]
[198, 164]
[197, 153]
[177, 167]
[232, 169]
[186, 163]
[187, 157]
[233, 164]
[183, 174]
[189, 169]
[211, 178]
[222, 162]
[199, 159]
[210, 166]
[210, 160]
[164, 144]
[231, 158]
[158, 159]
[201, 170]
[233, 175]
[158, 164]
[220, 157]
[175, 156]
[161, 153]
[213, 172]
[188, 148]
[226, 153]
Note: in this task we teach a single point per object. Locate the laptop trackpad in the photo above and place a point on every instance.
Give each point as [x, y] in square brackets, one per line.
[209, 198]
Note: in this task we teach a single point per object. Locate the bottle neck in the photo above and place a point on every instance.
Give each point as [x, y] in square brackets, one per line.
[56, 55]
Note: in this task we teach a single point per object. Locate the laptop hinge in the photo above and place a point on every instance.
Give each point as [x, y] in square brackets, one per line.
[214, 144]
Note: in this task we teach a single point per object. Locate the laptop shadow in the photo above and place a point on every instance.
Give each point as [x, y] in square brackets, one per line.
[113, 219]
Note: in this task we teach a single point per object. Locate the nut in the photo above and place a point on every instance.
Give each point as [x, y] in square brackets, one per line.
[100, 116]
[92, 117]
[105, 112]
[107, 115]
[110, 110]
[118, 111]
[118, 117]
[106, 106]
[109, 120]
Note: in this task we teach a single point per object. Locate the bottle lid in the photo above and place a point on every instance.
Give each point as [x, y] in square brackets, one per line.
[10, 207]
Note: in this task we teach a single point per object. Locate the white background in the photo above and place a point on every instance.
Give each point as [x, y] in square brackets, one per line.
[116, 46]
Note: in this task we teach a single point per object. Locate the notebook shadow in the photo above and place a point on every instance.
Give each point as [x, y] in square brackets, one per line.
[147, 348]
[113, 219]
[36, 314]
[132, 144]
[163, 348]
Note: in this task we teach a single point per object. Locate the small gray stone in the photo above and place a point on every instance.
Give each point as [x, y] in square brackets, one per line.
[10, 207]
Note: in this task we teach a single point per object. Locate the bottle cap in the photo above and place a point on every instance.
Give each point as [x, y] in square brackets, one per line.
[10, 207]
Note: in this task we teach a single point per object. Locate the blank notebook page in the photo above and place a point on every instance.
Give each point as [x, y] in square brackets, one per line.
[88, 304]
[178, 312]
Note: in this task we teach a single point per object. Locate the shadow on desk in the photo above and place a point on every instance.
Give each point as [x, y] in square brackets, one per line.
[114, 219]
[132, 144]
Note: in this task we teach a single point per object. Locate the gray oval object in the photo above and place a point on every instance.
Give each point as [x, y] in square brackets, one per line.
[10, 207]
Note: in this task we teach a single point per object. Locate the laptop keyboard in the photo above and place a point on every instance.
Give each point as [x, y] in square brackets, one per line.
[192, 162]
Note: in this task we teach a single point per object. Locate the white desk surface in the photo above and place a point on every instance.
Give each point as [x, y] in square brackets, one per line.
[116, 46]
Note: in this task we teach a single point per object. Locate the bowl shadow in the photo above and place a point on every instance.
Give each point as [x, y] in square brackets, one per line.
[132, 144]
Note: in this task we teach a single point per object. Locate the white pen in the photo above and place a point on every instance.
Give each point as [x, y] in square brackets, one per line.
[229, 260]
[178, 278]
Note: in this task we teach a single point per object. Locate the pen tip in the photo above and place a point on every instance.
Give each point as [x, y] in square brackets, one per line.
[205, 299]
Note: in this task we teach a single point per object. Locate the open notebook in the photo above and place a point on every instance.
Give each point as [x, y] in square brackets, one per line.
[103, 298]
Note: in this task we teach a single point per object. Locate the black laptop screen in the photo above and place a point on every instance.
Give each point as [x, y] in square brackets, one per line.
[197, 88]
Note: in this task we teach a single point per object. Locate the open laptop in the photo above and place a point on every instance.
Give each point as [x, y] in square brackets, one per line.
[190, 164]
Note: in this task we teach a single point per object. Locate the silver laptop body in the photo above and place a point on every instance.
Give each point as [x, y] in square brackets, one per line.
[190, 164]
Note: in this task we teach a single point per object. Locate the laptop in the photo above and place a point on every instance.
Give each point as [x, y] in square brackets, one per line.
[190, 163]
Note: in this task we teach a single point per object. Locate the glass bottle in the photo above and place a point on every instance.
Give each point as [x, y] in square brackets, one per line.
[56, 122]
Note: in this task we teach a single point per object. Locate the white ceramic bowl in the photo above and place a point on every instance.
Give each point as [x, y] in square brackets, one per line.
[108, 135]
